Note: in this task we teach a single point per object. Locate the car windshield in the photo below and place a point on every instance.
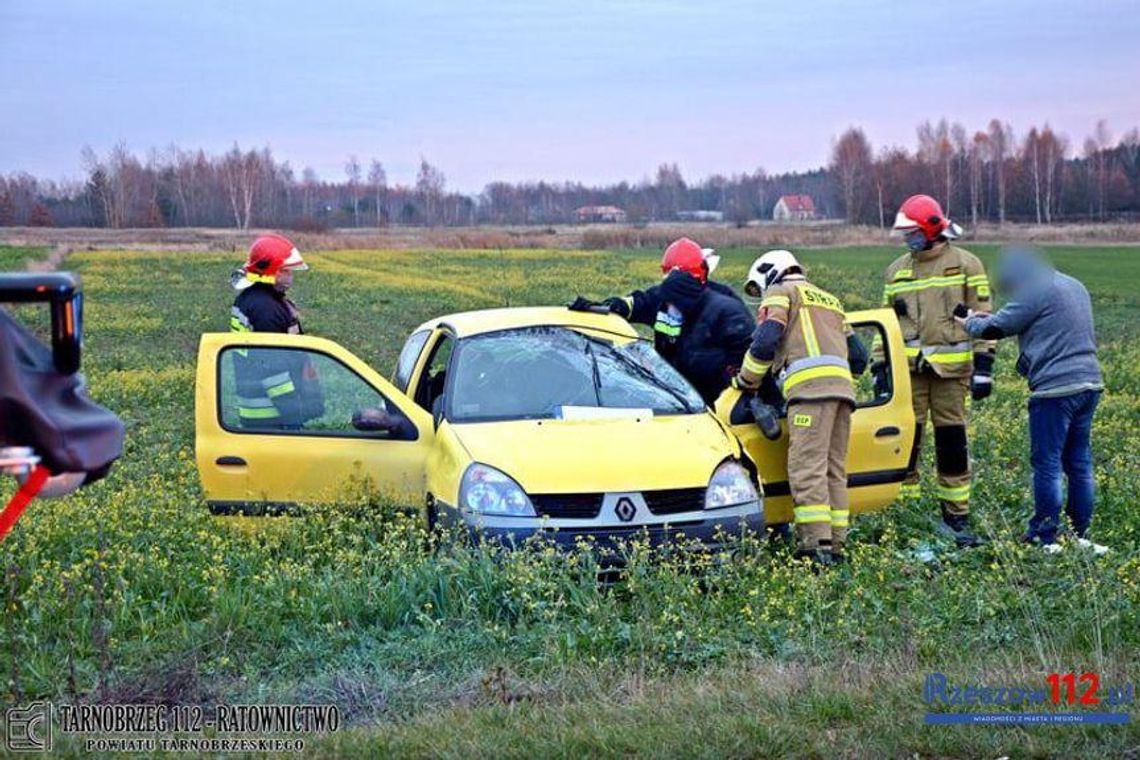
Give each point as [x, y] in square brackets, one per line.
[561, 373]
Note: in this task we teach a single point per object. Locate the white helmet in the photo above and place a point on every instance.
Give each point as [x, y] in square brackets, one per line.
[768, 270]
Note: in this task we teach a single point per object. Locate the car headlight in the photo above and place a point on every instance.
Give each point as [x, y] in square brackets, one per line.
[490, 492]
[730, 485]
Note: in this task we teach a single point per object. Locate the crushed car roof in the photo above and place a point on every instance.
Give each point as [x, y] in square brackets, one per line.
[468, 323]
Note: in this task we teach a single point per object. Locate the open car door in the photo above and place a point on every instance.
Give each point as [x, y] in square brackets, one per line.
[882, 428]
[285, 419]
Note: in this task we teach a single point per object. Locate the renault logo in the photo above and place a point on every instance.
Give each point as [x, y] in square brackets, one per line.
[625, 509]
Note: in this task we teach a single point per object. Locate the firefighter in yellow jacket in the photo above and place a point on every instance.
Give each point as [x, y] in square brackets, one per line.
[803, 339]
[925, 286]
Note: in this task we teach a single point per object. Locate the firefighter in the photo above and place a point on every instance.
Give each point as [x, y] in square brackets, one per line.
[700, 326]
[803, 339]
[925, 286]
[276, 388]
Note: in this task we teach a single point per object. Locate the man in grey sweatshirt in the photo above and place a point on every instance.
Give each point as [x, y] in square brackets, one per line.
[1051, 315]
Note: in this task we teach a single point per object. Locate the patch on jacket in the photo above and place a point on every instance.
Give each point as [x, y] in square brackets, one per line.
[951, 270]
[904, 274]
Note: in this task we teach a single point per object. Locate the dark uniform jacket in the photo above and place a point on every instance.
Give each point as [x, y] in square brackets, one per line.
[276, 388]
[708, 341]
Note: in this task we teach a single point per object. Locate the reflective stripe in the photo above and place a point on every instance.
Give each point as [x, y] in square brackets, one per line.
[809, 332]
[278, 379]
[754, 365]
[258, 414]
[236, 326]
[955, 353]
[840, 518]
[910, 286]
[812, 513]
[268, 279]
[813, 296]
[815, 373]
[664, 328]
[281, 390]
[977, 279]
[826, 360]
[629, 303]
[959, 493]
[261, 402]
[782, 302]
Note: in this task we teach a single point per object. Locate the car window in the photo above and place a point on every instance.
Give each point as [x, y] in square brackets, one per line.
[875, 385]
[409, 354]
[558, 372]
[301, 392]
[434, 376]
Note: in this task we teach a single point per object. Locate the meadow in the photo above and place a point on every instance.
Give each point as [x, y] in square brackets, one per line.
[131, 591]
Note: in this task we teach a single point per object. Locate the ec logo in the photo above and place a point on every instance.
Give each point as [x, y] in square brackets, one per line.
[28, 729]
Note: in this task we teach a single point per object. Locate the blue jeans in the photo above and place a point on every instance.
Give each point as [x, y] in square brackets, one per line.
[1060, 440]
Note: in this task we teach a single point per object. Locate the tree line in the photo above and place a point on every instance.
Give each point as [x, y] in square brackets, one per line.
[990, 174]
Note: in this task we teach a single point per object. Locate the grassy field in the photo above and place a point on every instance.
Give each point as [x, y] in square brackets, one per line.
[131, 591]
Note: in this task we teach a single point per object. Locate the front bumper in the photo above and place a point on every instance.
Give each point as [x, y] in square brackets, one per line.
[606, 537]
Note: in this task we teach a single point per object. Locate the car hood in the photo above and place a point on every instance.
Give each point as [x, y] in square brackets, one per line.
[590, 456]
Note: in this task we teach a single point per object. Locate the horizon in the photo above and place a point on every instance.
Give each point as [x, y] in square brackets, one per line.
[595, 93]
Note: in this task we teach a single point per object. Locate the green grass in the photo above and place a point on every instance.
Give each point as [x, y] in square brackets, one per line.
[464, 651]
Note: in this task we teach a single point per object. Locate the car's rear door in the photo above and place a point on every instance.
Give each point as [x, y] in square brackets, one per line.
[250, 457]
[882, 428]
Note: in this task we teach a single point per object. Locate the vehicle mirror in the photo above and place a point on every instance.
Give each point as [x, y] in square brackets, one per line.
[60, 290]
[374, 419]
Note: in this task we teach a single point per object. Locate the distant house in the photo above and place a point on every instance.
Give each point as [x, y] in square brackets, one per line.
[794, 208]
[701, 215]
[607, 214]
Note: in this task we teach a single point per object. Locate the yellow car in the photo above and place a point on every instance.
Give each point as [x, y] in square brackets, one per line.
[514, 422]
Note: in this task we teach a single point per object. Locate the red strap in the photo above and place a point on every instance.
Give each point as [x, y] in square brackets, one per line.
[22, 498]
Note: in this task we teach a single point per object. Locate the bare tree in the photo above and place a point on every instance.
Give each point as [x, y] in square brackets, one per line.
[378, 179]
[240, 172]
[352, 172]
[851, 162]
[1000, 142]
[430, 184]
[976, 158]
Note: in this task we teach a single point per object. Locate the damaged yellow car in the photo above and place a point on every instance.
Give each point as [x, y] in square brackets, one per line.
[515, 422]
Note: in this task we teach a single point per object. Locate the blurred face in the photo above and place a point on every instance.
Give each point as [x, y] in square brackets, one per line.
[284, 280]
[915, 240]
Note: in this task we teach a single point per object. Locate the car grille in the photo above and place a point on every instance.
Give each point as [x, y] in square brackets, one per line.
[675, 500]
[576, 506]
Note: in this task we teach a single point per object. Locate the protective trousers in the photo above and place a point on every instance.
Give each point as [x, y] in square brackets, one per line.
[944, 399]
[818, 433]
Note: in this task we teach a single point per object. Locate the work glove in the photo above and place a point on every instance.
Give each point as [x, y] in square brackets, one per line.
[739, 383]
[618, 306]
[767, 418]
[982, 381]
[881, 378]
[581, 303]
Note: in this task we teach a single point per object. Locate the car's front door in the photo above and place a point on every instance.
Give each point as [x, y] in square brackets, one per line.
[882, 428]
[285, 419]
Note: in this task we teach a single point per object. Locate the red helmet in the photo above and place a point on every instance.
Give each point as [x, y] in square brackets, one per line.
[268, 255]
[687, 256]
[921, 212]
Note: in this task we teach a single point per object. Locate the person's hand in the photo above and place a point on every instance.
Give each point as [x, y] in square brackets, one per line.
[740, 383]
[962, 313]
[372, 419]
[618, 306]
[581, 303]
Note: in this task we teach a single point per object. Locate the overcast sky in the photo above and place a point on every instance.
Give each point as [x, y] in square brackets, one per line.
[584, 90]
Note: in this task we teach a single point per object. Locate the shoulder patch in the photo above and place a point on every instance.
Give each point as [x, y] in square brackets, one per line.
[903, 274]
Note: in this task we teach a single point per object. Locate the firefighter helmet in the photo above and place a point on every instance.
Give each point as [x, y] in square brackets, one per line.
[769, 269]
[921, 212]
[269, 255]
[686, 255]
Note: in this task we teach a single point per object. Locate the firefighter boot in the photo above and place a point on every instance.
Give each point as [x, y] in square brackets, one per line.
[957, 527]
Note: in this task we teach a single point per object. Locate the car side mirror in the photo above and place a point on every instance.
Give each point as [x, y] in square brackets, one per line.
[374, 419]
[61, 290]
